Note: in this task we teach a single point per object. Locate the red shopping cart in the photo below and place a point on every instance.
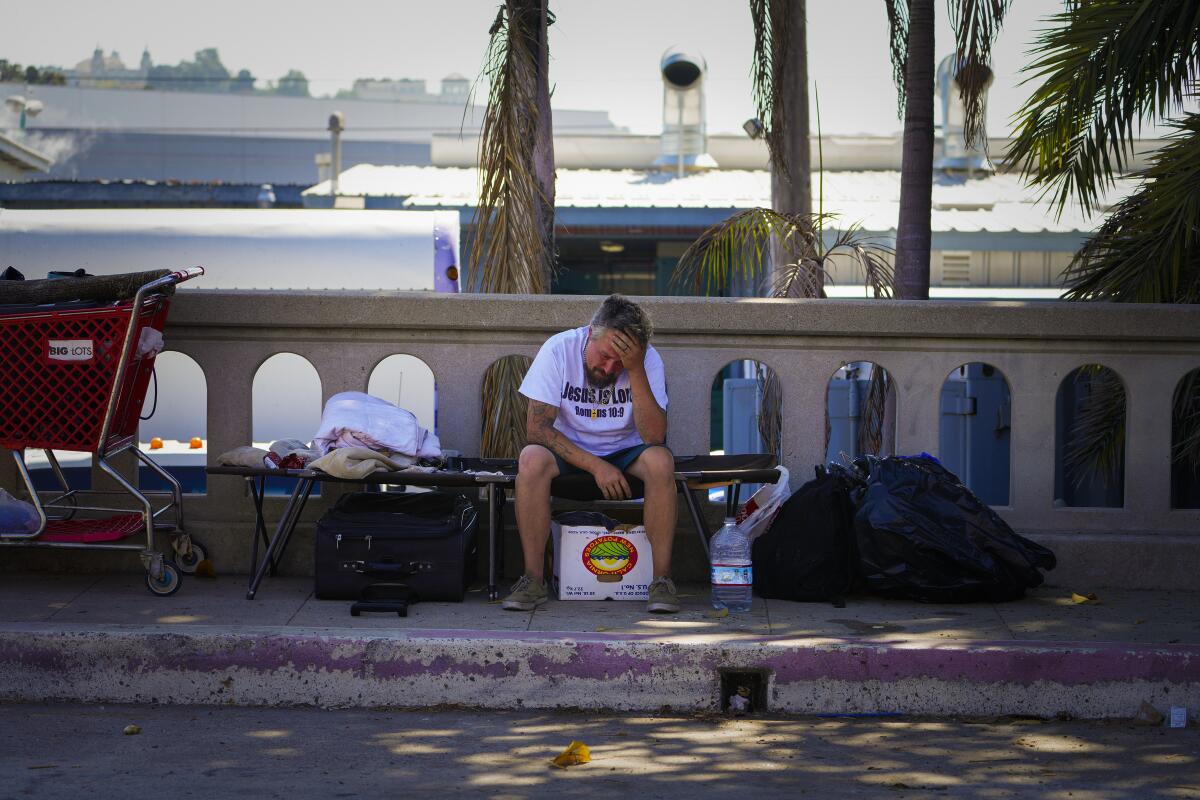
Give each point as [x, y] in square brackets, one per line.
[74, 377]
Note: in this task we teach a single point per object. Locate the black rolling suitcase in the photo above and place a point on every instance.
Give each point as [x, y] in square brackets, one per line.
[387, 550]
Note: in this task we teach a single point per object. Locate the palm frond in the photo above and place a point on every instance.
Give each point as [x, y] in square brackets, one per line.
[976, 25]
[1148, 249]
[897, 13]
[770, 417]
[772, 49]
[739, 247]
[874, 411]
[513, 248]
[504, 408]
[1104, 68]
[1185, 422]
[1095, 442]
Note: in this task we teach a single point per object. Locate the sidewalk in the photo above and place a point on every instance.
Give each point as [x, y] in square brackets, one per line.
[106, 639]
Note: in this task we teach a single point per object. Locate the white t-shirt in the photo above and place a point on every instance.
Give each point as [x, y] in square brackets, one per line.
[599, 421]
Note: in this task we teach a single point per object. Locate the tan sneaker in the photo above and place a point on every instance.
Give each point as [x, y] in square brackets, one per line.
[527, 594]
[662, 598]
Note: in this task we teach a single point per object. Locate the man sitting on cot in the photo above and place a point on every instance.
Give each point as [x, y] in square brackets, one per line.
[597, 404]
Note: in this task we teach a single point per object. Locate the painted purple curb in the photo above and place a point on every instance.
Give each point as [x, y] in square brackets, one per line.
[507, 655]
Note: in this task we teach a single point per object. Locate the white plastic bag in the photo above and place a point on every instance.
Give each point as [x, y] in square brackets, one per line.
[759, 511]
[17, 516]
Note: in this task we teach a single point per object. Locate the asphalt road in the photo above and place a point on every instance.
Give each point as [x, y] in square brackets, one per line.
[81, 752]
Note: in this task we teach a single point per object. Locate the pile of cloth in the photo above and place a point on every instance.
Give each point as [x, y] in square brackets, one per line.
[359, 434]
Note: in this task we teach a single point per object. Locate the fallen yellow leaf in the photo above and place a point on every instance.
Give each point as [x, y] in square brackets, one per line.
[1090, 597]
[576, 753]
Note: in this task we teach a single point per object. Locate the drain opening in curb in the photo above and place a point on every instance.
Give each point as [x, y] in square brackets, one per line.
[743, 691]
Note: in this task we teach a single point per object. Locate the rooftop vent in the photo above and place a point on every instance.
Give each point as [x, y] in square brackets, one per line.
[684, 137]
[955, 154]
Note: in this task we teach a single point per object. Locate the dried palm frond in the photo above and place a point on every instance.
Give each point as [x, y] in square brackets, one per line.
[874, 412]
[504, 408]
[772, 49]
[976, 24]
[1095, 442]
[1104, 68]
[513, 246]
[897, 13]
[1185, 422]
[770, 417]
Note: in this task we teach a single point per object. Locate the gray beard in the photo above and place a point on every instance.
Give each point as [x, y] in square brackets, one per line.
[592, 382]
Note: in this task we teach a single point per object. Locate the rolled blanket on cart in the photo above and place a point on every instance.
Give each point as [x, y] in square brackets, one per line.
[359, 462]
[63, 290]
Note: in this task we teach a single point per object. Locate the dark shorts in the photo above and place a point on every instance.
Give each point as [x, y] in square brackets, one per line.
[620, 459]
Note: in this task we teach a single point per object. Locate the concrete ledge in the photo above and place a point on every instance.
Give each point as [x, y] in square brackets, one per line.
[489, 669]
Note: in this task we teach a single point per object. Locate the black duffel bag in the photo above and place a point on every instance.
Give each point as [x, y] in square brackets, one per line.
[923, 535]
[424, 541]
[808, 553]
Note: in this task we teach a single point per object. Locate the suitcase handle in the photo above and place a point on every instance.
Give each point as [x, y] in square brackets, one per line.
[392, 568]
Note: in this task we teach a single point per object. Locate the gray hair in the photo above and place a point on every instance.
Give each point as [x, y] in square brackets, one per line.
[621, 313]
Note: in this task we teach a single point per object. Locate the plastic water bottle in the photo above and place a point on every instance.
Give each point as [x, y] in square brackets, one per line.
[732, 570]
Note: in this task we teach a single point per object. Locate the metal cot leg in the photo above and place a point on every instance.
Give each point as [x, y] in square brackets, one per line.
[693, 507]
[283, 532]
[493, 589]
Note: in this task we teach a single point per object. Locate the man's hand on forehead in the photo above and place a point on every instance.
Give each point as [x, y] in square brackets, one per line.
[627, 348]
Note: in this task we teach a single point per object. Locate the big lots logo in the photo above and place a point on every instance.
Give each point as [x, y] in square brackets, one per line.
[69, 350]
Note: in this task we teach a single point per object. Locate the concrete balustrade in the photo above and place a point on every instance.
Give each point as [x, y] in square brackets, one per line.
[346, 334]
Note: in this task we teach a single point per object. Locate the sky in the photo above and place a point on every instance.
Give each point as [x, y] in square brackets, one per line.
[604, 54]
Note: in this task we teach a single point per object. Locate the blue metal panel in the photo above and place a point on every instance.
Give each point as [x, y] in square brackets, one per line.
[974, 431]
[844, 399]
[741, 406]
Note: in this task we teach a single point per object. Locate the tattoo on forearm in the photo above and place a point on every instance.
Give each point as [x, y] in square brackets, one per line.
[542, 430]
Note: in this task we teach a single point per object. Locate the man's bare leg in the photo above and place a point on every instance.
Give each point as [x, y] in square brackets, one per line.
[655, 467]
[536, 469]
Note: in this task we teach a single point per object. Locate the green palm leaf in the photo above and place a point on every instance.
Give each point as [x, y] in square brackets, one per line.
[1104, 68]
[1095, 443]
[1185, 422]
[1148, 249]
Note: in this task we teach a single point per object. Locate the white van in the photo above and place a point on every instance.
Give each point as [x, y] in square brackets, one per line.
[241, 248]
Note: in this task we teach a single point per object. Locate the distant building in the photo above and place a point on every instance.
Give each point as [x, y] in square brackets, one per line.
[152, 135]
[388, 90]
[101, 71]
[454, 89]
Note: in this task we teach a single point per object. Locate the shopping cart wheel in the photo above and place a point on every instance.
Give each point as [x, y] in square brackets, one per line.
[188, 560]
[168, 583]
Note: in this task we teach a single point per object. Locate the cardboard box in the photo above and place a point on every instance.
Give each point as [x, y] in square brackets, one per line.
[597, 559]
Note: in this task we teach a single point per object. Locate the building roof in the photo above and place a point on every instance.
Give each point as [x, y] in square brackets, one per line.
[997, 203]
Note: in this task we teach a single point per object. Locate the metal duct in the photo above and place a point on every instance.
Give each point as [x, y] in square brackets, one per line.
[684, 136]
[954, 153]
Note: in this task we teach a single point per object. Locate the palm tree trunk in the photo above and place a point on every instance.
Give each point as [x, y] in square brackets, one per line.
[543, 147]
[792, 193]
[916, 169]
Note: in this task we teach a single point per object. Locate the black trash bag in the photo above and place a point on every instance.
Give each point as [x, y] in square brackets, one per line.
[808, 553]
[922, 535]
